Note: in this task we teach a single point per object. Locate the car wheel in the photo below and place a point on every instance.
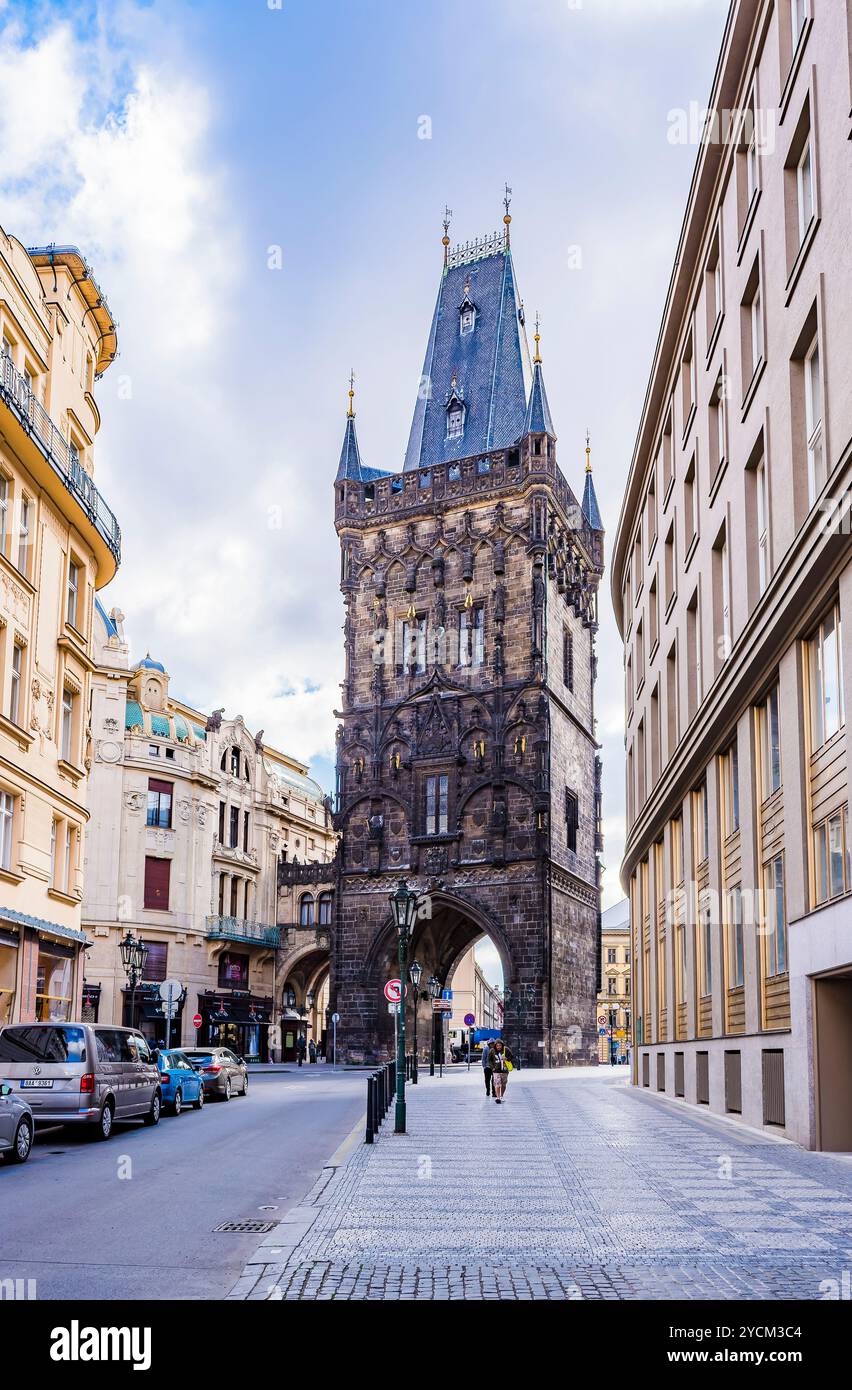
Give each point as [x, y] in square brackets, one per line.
[20, 1150]
[153, 1116]
[178, 1102]
[226, 1095]
[245, 1085]
[103, 1128]
[199, 1104]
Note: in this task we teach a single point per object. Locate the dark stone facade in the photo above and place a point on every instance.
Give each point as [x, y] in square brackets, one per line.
[470, 596]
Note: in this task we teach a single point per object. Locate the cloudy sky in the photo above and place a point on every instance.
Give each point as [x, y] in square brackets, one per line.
[250, 182]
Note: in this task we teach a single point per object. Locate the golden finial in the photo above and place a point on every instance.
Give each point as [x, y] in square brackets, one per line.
[445, 239]
[588, 454]
[537, 336]
[350, 412]
[507, 200]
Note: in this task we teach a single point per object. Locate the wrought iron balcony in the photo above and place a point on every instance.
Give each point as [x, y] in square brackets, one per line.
[237, 929]
[16, 394]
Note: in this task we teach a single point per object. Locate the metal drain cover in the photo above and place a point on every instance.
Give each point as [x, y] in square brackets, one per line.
[249, 1227]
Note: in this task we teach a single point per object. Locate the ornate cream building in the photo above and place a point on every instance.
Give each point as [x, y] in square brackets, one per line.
[59, 542]
[614, 999]
[194, 820]
[732, 584]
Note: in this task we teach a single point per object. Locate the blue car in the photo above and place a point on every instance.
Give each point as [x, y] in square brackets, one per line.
[180, 1083]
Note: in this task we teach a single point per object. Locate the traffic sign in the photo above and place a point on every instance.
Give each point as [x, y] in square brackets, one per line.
[196, 1020]
[469, 1020]
[602, 1020]
[335, 1018]
[601, 1032]
[393, 991]
[442, 1006]
[393, 1006]
[170, 989]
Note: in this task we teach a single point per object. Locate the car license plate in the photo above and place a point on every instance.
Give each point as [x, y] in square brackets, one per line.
[37, 1085]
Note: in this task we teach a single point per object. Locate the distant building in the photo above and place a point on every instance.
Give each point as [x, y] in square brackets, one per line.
[614, 1000]
[59, 543]
[193, 820]
[473, 994]
[732, 585]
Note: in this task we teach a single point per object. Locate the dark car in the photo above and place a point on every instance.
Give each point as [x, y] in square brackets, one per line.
[224, 1073]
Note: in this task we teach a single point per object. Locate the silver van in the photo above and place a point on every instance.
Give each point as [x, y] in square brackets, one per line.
[81, 1074]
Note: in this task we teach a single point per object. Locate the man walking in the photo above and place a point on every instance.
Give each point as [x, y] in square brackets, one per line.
[301, 1048]
[486, 1067]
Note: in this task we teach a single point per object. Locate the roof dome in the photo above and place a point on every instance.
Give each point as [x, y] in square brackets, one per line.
[148, 664]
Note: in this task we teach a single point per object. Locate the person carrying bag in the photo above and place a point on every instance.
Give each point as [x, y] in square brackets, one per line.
[500, 1063]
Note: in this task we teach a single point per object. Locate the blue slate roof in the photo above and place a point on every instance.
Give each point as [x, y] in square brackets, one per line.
[539, 420]
[591, 510]
[491, 365]
[350, 465]
[112, 630]
[148, 664]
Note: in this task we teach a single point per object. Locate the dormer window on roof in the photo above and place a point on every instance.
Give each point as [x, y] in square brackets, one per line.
[467, 313]
[455, 412]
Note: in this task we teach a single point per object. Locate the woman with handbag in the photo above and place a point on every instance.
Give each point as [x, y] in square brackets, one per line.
[500, 1061]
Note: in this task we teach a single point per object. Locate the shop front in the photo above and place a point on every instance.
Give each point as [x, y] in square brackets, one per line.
[293, 1027]
[8, 974]
[149, 1014]
[236, 1020]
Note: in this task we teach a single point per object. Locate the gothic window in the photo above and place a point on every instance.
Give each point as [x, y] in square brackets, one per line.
[325, 900]
[455, 421]
[572, 819]
[467, 319]
[414, 644]
[306, 910]
[472, 636]
[437, 805]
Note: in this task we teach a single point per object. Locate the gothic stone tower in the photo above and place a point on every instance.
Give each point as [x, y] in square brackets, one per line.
[467, 759]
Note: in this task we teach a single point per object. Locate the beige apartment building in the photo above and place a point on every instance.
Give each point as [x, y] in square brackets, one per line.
[732, 584]
[213, 849]
[614, 997]
[59, 543]
[473, 994]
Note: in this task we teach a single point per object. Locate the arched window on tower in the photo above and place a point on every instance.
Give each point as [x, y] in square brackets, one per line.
[306, 910]
[325, 900]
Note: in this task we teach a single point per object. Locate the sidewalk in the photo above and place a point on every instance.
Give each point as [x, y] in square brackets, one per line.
[577, 1187]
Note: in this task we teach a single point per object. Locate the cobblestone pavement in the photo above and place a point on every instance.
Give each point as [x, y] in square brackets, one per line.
[577, 1187]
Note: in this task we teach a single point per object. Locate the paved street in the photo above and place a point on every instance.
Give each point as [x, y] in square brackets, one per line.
[73, 1223]
[578, 1187]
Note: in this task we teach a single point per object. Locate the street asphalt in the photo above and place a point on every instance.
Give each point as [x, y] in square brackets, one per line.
[134, 1217]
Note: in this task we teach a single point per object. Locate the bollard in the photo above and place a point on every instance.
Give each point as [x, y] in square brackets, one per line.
[371, 1110]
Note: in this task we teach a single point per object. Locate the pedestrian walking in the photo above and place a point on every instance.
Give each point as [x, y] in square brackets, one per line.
[301, 1048]
[500, 1062]
[486, 1067]
[312, 1050]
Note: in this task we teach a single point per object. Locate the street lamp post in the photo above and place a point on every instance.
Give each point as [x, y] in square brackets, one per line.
[434, 993]
[134, 954]
[415, 970]
[404, 905]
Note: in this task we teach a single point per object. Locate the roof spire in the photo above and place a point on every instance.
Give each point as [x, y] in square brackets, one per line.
[445, 239]
[507, 202]
[537, 336]
[350, 414]
[588, 454]
[591, 510]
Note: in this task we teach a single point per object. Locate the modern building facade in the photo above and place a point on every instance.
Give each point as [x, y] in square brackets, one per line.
[59, 543]
[615, 1000]
[192, 817]
[732, 585]
[468, 762]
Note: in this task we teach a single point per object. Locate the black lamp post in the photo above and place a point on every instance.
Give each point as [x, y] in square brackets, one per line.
[404, 905]
[415, 970]
[434, 993]
[134, 954]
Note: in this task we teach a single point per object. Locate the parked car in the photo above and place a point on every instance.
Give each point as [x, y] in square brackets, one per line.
[180, 1083]
[16, 1126]
[224, 1073]
[81, 1074]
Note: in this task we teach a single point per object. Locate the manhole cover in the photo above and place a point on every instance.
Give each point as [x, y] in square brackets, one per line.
[250, 1227]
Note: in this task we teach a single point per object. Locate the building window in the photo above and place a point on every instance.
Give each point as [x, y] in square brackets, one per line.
[437, 805]
[306, 910]
[718, 444]
[467, 318]
[414, 645]
[233, 971]
[325, 901]
[157, 875]
[705, 957]
[4, 513]
[671, 567]
[713, 284]
[24, 537]
[813, 422]
[568, 659]
[73, 594]
[455, 422]
[805, 188]
[825, 663]
[831, 870]
[234, 827]
[15, 689]
[763, 556]
[472, 636]
[160, 804]
[702, 823]
[690, 503]
[775, 920]
[53, 883]
[731, 787]
[770, 744]
[245, 831]
[610, 955]
[235, 762]
[687, 374]
[751, 310]
[7, 825]
[69, 705]
[572, 819]
[736, 956]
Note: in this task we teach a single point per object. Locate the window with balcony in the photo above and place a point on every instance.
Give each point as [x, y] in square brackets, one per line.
[825, 664]
[160, 804]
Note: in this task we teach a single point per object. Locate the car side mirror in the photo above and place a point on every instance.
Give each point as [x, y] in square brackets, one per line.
[5, 1090]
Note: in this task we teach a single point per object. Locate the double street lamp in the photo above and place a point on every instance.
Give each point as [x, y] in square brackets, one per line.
[415, 970]
[134, 954]
[404, 905]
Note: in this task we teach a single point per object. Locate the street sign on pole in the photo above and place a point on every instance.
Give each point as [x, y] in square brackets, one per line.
[469, 1020]
[393, 1006]
[170, 992]
[197, 1020]
[393, 991]
[335, 1019]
